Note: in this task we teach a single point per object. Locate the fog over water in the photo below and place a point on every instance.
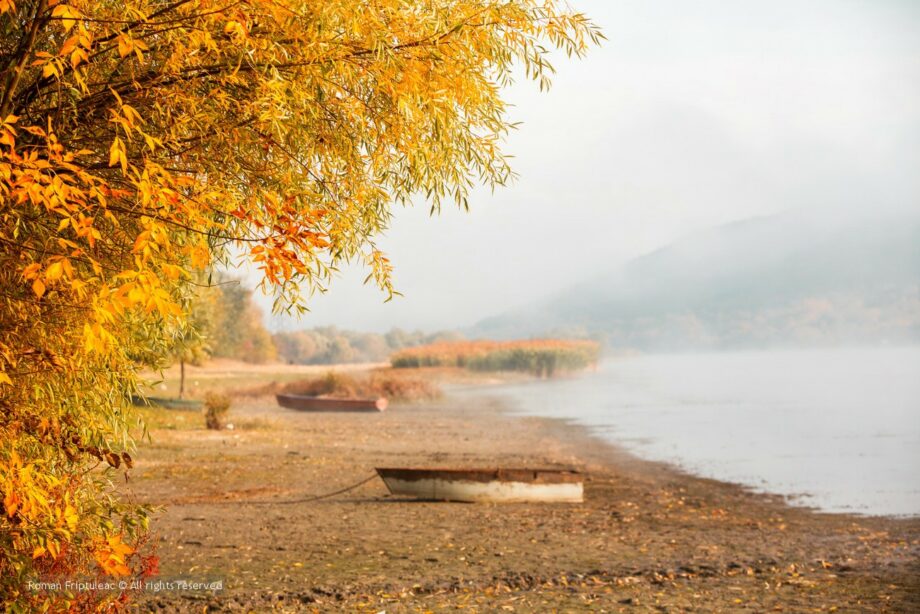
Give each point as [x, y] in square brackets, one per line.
[834, 429]
[692, 115]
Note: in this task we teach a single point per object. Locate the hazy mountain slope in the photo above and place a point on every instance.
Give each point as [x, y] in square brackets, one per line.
[802, 277]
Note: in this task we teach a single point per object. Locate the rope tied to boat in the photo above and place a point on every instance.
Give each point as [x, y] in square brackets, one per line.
[309, 499]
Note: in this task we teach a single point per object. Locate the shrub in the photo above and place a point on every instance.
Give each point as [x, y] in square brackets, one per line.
[216, 408]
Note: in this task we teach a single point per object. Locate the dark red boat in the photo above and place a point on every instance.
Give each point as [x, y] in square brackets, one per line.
[302, 402]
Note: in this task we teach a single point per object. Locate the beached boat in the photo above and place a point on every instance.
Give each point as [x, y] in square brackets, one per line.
[476, 485]
[307, 403]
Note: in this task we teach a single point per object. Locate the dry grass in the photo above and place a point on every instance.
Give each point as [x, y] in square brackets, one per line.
[402, 388]
[395, 387]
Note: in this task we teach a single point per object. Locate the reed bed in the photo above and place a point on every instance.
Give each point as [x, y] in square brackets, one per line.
[541, 357]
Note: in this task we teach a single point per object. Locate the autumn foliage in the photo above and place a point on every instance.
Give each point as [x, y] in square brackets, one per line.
[543, 357]
[144, 142]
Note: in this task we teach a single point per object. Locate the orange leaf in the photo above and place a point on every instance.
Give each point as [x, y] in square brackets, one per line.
[11, 503]
[125, 45]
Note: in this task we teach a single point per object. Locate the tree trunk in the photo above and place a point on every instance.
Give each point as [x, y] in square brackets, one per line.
[181, 378]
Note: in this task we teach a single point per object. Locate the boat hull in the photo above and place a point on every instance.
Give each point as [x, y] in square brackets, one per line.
[324, 404]
[486, 485]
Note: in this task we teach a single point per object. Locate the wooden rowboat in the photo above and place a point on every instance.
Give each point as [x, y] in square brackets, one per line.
[306, 403]
[475, 485]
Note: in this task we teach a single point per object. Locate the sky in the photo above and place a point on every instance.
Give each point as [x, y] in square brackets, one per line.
[693, 114]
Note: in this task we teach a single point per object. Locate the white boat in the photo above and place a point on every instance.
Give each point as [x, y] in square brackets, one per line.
[477, 485]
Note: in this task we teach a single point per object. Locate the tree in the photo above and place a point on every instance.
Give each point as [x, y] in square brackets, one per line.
[237, 330]
[145, 141]
[189, 343]
[297, 347]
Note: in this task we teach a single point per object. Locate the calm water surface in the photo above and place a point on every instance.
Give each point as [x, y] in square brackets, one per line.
[834, 429]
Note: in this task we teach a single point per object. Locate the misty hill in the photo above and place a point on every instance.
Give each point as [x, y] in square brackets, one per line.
[804, 277]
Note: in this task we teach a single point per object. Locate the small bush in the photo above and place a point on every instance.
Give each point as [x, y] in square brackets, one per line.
[216, 408]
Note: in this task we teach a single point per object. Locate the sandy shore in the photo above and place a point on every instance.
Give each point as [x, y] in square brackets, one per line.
[647, 538]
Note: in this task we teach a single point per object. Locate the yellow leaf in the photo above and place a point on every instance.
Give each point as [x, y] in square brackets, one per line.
[5, 379]
[71, 517]
[115, 151]
[67, 14]
[117, 154]
[131, 115]
[54, 271]
[78, 55]
[38, 288]
[89, 338]
[38, 552]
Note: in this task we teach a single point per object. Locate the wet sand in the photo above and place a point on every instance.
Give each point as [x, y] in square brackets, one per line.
[648, 538]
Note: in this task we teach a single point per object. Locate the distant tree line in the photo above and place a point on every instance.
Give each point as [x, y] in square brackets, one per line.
[225, 322]
[331, 345]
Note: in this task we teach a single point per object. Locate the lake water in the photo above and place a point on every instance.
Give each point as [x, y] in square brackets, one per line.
[838, 430]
